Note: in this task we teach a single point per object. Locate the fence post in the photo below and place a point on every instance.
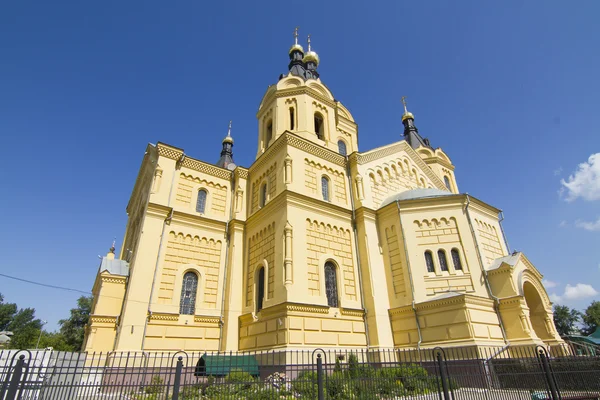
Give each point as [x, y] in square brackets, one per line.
[13, 385]
[177, 381]
[443, 376]
[549, 378]
[320, 389]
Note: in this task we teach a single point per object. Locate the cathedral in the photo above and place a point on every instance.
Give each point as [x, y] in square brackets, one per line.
[314, 245]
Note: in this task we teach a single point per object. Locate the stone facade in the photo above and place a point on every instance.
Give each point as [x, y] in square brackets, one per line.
[312, 248]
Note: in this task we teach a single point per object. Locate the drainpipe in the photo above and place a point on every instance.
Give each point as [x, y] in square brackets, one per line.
[227, 246]
[160, 247]
[410, 279]
[485, 277]
[500, 219]
[358, 266]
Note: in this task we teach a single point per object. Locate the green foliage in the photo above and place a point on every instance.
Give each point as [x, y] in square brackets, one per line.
[55, 340]
[565, 320]
[73, 328]
[25, 328]
[306, 384]
[157, 385]
[7, 312]
[591, 318]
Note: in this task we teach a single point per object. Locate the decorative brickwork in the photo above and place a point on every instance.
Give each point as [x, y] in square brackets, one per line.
[261, 246]
[312, 174]
[185, 249]
[394, 177]
[322, 240]
[395, 257]
[217, 193]
[489, 241]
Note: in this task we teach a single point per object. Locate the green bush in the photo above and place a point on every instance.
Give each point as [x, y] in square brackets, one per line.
[157, 385]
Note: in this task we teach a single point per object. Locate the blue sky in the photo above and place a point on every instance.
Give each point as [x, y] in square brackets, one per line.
[508, 89]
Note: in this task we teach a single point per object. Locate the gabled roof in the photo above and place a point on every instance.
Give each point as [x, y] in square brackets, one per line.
[415, 194]
[114, 266]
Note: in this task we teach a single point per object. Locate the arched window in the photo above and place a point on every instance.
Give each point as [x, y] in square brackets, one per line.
[201, 202]
[260, 288]
[263, 194]
[319, 126]
[456, 260]
[443, 261]
[187, 302]
[447, 182]
[429, 261]
[331, 284]
[325, 187]
[291, 118]
[269, 133]
[342, 148]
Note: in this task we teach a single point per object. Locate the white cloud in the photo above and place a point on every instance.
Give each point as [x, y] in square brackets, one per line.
[558, 171]
[588, 226]
[549, 284]
[562, 224]
[555, 298]
[585, 182]
[579, 291]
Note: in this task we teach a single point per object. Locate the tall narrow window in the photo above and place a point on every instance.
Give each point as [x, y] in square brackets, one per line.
[319, 126]
[260, 288]
[291, 118]
[325, 188]
[443, 261]
[331, 284]
[447, 182]
[456, 260]
[201, 202]
[263, 194]
[429, 261]
[187, 302]
[269, 133]
[342, 148]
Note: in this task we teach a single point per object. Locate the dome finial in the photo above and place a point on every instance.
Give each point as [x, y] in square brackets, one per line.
[228, 138]
[406, 114]
[311, 56]
[296, 46]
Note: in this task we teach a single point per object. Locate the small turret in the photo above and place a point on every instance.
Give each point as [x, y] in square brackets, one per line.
[311, 60]
[411, 133]
[226, 160]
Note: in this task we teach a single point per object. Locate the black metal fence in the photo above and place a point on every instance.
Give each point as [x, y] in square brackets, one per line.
[450, 373]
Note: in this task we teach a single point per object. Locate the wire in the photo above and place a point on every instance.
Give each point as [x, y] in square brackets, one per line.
[46, 285]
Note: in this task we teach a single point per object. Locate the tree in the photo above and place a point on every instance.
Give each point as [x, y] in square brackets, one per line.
[565, 320]
[73, 328]
[25, 328]
[591, 318]
[7, 313]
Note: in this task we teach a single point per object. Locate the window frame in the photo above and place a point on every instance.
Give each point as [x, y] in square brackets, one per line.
[325, 188]
[345, 152]
[427, 264]
[334, 300]
[443, 260]
[268, 132]
[263, 194]
[447, 182]
[319, 132]
[454, 252]
[190, 309]
[259, 301]
[205, 200]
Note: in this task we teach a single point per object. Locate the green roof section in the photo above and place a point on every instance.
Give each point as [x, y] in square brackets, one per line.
[596, 334]
[221, 365]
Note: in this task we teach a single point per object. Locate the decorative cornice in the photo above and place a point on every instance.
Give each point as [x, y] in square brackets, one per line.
[504, 268]
[401, 310]
[113, 279]
[316, 150]
[352, 312]
[241, 173]
[163, 317]
[307, 308]
[207, 319]
[375, 154]
[165, 150]
[102, 319]
[458, 299]
[206, 168]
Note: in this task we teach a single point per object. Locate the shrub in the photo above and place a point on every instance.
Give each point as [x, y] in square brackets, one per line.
[156, 385]
[305, 384]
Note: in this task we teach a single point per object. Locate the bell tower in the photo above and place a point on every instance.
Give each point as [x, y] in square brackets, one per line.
[300, 103]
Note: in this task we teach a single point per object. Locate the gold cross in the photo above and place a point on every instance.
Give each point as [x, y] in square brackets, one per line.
[308, 42]
[404, 102]
[296, 34]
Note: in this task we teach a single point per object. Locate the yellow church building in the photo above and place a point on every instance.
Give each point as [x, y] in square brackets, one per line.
[316, 244]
